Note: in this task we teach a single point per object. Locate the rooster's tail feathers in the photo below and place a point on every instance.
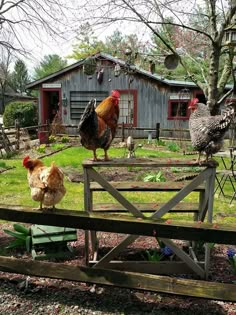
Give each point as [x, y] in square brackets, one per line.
[54, 169]
[55, 177]
[89, 110]
[227, 116]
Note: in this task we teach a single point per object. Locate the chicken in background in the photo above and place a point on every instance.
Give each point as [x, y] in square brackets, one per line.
[46, 183]
[97, 126]
[207, 132]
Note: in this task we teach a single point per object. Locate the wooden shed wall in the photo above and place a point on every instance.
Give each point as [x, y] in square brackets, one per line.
[152, 96]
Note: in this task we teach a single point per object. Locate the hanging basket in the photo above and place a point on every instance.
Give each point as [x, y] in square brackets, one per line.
[171, 61]
[89, 66]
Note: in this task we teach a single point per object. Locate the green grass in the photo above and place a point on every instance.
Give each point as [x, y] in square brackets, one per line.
[14, 188]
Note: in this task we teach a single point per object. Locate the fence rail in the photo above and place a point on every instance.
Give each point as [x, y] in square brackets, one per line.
[16, 134]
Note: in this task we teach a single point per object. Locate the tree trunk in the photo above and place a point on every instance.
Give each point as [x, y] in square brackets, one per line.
[212, 95]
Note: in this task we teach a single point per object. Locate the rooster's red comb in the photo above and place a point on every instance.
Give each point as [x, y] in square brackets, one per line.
[193, 103]
[25, 160]
[115, 93]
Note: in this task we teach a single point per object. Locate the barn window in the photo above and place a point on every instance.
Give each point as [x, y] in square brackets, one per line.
[178, 109]
[128, 104]
[80, 99]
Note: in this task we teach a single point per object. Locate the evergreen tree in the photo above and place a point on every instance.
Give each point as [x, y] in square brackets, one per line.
[87, 43]
[49, 65]
[19, 77]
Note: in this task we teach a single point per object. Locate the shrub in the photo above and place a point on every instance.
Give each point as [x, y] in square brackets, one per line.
[41, 148]
[52, 139]
[65, 139]
[161, 142]
[25, 112]
[173, 147]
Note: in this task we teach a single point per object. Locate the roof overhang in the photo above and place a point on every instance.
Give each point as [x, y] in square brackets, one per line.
[52, 77]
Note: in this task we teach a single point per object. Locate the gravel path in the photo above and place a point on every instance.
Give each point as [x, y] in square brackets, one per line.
[43, 296]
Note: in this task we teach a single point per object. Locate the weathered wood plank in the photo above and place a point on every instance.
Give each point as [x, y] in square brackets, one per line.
[218, 233]
[88, 200]
[150, 162]
[185, 207]
[171, 285]
[150, 267]
[146, 186]
[210, 188]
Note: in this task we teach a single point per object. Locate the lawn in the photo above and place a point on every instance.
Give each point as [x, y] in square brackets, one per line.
[15, 191]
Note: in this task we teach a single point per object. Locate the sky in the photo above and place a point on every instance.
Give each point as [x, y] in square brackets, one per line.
[39, 49]
[62, 47]
[39, 43]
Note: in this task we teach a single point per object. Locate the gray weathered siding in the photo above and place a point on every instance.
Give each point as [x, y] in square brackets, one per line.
[152, 97]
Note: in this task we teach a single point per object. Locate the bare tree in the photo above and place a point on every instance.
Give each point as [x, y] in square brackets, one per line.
[5, 57]
[30, 20]
[208, 24]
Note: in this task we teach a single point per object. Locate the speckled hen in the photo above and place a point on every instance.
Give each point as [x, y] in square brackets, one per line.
[207, 132]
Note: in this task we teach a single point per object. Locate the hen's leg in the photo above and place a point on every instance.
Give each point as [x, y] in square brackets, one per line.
[106, 158]
[95, 158]
[40, 208]
[199, 158]
[94, 155]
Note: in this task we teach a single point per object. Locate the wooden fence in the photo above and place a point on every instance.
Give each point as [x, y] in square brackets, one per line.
[14, 136]
[225, 234]
[182, 134]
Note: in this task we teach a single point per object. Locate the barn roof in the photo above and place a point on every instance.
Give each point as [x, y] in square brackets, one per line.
[74, 66]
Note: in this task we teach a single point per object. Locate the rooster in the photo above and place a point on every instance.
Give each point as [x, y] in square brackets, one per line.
[97, 126]
[207, 132]
[46, 183]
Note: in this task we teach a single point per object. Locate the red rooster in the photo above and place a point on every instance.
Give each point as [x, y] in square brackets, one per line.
[46, 183]
[98, 125]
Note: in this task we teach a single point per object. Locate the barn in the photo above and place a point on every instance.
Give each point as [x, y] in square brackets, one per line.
[146, 98]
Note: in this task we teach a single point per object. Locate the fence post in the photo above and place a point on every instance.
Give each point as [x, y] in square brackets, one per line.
[48, 125]
[47, 131]
[123, 132]
[157, 131]
[17, 126]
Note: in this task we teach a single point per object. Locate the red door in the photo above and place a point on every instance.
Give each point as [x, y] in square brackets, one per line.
[50, 104]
